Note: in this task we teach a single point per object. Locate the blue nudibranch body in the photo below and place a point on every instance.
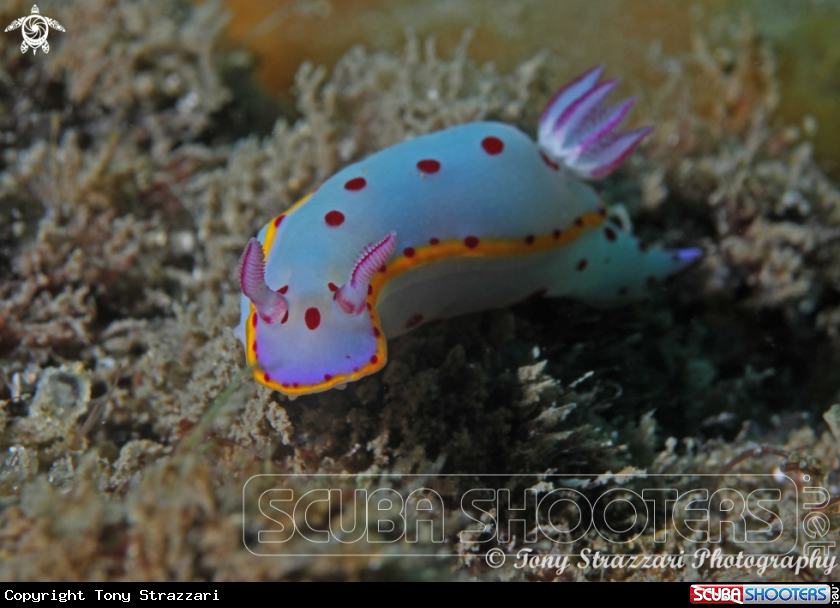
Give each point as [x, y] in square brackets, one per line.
[462, 220]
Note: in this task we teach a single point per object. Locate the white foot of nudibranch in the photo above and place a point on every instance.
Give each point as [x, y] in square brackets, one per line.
[270, 305]
[352, 295]
[578, 131]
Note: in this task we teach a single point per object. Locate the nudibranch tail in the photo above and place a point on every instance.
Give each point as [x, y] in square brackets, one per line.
[270, 305]
[688, 256]
[352, 295]
[577, 130]
[608, 266]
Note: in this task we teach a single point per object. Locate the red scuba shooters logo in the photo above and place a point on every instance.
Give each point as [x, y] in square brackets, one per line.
[717, 594]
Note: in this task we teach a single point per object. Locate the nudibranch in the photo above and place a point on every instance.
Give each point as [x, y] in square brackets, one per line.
[462, 220]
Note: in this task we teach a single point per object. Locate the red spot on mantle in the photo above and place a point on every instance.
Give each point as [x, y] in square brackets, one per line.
[471, 242]
[334, 218]
[492, 145]
[549, 162]
[581, 265]
[312, 318]
[429, 166]
[408, 252]
[355, 184]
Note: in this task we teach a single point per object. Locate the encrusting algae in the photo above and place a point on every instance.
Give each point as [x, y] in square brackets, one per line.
[128, 189]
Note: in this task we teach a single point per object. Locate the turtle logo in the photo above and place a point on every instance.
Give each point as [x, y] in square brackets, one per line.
[35, 30]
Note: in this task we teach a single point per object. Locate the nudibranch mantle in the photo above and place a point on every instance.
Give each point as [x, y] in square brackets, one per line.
[466, 219]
